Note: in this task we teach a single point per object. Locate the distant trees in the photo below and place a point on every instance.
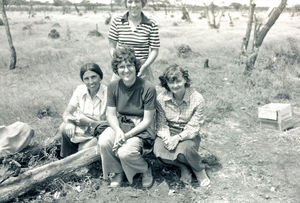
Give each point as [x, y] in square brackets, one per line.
[260, 30]
[236, 6]
[13, 58]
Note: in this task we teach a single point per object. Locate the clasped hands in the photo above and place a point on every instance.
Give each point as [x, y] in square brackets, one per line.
[120, 139]
[171, 142]
[78, 120]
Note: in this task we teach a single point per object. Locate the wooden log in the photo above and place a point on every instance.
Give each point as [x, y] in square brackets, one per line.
[16, 186]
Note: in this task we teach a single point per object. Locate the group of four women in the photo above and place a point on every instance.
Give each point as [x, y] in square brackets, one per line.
[129, 114]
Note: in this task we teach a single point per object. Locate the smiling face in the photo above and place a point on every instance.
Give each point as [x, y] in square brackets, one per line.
[92, 80]
[127, 72]
[134, 7]
[177, 85]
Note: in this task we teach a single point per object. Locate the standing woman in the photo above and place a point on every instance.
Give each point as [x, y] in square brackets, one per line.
[130, 114]
[179, 125]
[135, 30]
[85, 111]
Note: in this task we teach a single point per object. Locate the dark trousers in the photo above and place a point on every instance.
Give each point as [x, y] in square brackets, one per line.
[67, 147]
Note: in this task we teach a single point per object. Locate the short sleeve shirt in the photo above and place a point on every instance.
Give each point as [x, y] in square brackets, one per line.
[131, 101]
[145, 36]
[94, 107]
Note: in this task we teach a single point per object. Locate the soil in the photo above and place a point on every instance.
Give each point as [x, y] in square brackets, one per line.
[254, 165]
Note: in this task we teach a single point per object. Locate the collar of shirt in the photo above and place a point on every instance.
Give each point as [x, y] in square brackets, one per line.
[169, 97]
[100, 94]
[144, 20]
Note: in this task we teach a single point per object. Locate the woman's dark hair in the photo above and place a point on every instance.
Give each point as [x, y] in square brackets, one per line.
[126, 54]
[171, 74]
[91, 67]
[144, 2]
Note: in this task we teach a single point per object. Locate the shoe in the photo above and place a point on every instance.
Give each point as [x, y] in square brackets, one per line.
[116, 180]
[186, 175]
[202, 178]
[147, 179]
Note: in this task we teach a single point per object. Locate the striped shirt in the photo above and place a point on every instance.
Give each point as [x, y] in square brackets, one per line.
[141, 40]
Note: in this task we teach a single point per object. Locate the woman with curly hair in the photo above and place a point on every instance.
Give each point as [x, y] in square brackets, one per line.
[135, 30]
[179, 125]
[130, 114]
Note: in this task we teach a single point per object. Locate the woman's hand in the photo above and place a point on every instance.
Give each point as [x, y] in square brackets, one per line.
[119, 140]
[70, 130]
[172, 142]
[141, 71]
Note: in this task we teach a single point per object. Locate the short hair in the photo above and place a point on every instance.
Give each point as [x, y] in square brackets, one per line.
[144, 2]
[171, 74]
[91, 67]
[126, 54]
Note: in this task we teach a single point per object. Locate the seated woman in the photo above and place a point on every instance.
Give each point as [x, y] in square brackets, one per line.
[130, 114]
[179, 125]
[85, 111]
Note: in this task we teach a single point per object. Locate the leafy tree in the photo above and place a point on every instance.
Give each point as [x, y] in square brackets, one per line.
[236, 6]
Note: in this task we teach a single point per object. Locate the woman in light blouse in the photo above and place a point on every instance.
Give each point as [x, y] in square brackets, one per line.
[85, 111]
[179, 125]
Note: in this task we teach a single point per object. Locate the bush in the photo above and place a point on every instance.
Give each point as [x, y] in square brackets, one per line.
[184, 51]
[94, 33]
[1, 22]
[54, 34]
[107, 20]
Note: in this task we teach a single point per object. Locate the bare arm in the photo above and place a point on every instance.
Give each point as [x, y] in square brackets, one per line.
[143, 125]
[112, 47]
[151, 58]
[68, 113]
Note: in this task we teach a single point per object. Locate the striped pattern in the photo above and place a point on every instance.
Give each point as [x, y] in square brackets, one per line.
[141, 40]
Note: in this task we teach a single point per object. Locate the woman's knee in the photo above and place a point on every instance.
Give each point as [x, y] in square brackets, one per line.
[128, 152]
[106, 139]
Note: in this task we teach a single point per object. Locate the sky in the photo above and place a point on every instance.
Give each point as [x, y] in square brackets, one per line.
[259, 3]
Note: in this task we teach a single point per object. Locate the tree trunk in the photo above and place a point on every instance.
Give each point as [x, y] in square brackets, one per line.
[259, 33]
[13, 58]
[16, 186]
[249, 28]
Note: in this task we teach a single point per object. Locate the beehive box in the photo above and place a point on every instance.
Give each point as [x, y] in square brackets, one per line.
[276, 116]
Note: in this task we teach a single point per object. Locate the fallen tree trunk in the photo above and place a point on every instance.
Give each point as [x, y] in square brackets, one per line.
[16, 186]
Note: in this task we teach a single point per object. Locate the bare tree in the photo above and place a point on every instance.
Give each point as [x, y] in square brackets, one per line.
[213, 17]
[13, 58]
[260, 31]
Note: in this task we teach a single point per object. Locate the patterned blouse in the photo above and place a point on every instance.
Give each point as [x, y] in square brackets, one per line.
[184, 119]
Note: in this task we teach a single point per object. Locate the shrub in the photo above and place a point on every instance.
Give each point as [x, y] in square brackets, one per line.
[54, 34]
[107, 20]
[56, 25]
[94, 33]
[184, 51]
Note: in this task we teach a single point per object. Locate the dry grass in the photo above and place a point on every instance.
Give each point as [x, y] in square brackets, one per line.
[48, 70]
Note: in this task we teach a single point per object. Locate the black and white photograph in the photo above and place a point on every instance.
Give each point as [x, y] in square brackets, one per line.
[150, 101]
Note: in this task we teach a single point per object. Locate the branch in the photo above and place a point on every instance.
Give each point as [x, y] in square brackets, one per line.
[270, 22]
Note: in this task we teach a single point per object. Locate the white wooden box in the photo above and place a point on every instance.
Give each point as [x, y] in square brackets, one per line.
[276, 115]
